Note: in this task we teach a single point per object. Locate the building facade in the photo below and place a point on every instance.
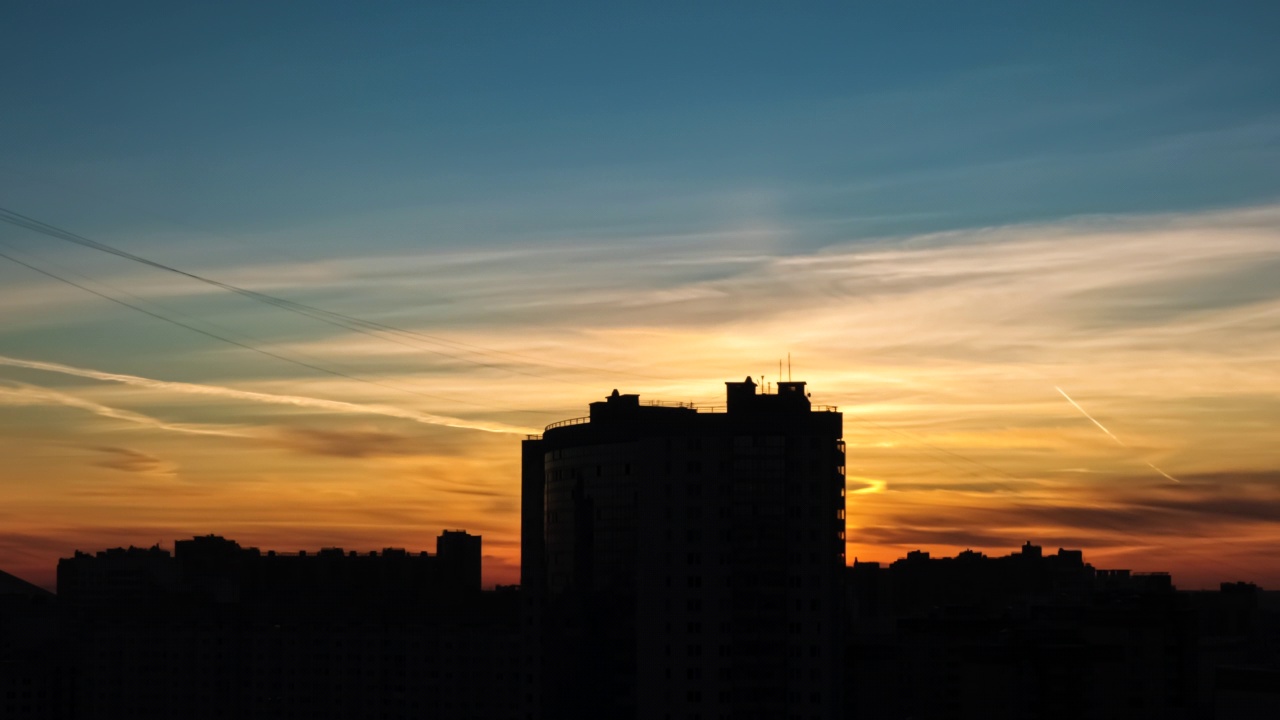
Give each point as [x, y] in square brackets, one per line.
[685, 563]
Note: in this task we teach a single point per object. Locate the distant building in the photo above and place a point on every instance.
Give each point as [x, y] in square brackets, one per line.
[1025, 635]
[220, 631]
[686, 563]
[213, 569]
[34, 681]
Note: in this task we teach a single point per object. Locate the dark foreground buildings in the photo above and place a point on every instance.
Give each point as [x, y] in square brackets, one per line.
[688, 564]
[677, 563]
[1038, 635]
[215, 630]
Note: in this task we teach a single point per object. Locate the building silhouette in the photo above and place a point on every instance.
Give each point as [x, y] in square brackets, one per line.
[216, 630]
[688, 564]
[1039, 635]
[677, 562]
[33, 678]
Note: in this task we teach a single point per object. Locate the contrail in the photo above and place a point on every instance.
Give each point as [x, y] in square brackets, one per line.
[269, 398]
[1091, 418]
[24, 394]
[1153, 467]
[1109, 433]
[329, 317]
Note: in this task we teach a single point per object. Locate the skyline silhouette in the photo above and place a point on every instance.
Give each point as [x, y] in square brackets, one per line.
[308, 278]
[676, 561]
[292, 292]
[216, 629]
[338, 444]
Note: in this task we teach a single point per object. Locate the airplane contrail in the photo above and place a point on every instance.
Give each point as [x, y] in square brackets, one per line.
[1110, 434]
[337, 406]
[24, 394]
[1091, 418]
[1153, 467]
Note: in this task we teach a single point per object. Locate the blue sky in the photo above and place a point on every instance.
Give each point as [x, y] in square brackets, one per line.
[943, 211]
[871, 118]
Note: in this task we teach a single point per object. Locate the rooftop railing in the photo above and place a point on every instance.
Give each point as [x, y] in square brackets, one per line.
[671, 404]
[570, 421]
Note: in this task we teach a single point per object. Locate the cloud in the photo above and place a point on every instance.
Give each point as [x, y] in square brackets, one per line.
[335, 406]
[1122, 509]
[957, 486]
[924, 536]
[861, 485]
[24, 394]
[132, 461]
[347, 443]
[1221, 284]
[943, 351]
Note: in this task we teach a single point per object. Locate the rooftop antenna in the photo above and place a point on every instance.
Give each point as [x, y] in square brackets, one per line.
[788, 367]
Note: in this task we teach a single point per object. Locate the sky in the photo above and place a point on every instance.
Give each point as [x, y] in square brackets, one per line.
[1031, 251]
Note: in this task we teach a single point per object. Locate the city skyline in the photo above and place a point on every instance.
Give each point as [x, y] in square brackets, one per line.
[1029, 253]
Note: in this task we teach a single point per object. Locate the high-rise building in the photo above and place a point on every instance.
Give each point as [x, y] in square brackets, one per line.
[687, 563]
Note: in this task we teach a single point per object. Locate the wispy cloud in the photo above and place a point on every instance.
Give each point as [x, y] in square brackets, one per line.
[24, 394]
[334, 406]
[942, 350]
[862, 485]
[131, 461]
[347, 443]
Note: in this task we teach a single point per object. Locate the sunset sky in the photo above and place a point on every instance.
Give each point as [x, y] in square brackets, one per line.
[957, 219]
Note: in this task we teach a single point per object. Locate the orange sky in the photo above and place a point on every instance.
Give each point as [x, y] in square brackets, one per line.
[945, 353]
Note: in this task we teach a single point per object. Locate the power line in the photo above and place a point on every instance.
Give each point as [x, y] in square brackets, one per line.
[216, 336]
[347, 322]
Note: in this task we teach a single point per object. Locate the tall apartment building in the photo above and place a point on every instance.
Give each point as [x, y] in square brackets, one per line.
[687, 564]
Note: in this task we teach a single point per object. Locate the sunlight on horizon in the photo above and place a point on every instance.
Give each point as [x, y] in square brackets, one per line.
[944, 354]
